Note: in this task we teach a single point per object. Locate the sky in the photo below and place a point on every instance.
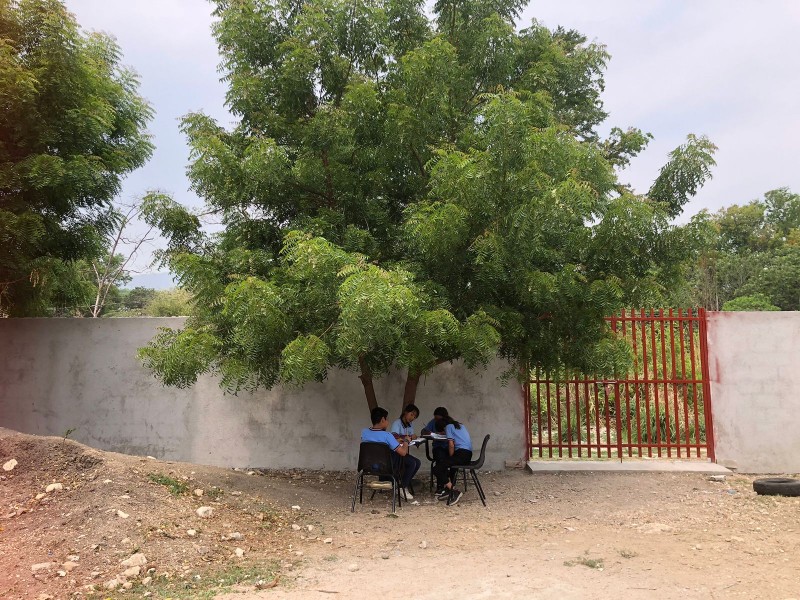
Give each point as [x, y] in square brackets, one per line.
[728, 69]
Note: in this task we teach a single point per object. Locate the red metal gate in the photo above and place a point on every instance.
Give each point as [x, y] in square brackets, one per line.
[661, 408]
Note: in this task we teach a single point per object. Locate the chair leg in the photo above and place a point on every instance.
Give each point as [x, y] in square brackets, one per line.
[432, 463]
[359, 487]
[399, 493]
[478, 486]
[465, 479]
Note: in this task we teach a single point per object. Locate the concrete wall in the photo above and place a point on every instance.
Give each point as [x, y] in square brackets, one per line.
[754, 363]
[59, 374]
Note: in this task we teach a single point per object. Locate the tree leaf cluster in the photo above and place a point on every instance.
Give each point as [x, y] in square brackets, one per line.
[72, 124]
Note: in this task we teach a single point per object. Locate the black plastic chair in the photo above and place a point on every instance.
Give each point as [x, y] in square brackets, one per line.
[375, 458]
[473, 467]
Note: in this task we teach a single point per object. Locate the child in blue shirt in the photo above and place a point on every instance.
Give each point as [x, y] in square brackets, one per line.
[405, 463]
[459, 452]
[403, 427]
[438, 447]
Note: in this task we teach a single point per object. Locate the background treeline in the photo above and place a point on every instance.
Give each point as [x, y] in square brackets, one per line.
[748, 257]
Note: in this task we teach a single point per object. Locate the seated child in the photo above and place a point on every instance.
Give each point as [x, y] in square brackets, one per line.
[377, 433]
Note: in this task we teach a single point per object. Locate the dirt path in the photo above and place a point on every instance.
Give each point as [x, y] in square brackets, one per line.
[602, 535]
[576, 536]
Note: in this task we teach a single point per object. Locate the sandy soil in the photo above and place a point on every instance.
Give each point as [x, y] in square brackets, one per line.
[601, 535]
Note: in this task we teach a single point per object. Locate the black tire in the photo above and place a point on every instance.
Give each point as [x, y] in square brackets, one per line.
[777, 486]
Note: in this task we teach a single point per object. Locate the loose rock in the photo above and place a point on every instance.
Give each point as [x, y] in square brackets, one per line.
[9, 465]
[239, 552]
[135, 560]
[111, 584]
[133, 571]
[295, 526]
[69, 566]
[191, 532]
[42, 566]
[198, 492]
[295, 507]
[147, 581]
[205, 512]
[40, 495]
[423, 544]
[53, 487]
[328, 540]
[122, 515]
[353, 568]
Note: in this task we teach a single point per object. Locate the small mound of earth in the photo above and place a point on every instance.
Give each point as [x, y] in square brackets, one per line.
[75, 521]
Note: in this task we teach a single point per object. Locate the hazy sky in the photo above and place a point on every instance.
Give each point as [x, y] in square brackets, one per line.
[729, 69]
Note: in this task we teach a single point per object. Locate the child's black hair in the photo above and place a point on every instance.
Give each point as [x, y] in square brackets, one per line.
[377, 414]
[445, 421]
[410, 408]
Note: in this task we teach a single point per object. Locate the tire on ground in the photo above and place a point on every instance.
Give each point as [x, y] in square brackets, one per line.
[777, 486]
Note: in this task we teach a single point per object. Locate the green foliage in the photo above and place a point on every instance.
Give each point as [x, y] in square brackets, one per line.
[756, 302]
[688, 169]
[401, 191]
[71, 126]
[168, 303]
[749, 250]
[176, 488]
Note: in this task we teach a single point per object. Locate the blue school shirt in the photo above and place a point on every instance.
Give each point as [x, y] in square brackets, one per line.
[371, 435]
[431, 426]
[460, 437]
[400, 429]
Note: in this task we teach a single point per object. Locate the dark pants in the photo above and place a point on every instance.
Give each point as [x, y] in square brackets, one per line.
[407, 466]
[442, 468]
[439, 452]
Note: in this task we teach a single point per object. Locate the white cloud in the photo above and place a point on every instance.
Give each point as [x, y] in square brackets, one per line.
[725, 68]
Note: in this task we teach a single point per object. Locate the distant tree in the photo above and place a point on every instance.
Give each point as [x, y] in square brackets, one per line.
[137, 298]
[123, 246]
[756, 302]
[72, 124]
[169, 303]
[749, 250]
[400, 192]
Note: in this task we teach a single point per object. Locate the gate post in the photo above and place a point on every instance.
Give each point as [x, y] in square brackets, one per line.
[701, 313]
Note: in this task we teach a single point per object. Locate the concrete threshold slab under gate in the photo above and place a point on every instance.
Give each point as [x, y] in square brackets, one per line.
[628, 465]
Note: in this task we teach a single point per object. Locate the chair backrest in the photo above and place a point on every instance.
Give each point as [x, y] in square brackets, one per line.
[375, 458]
[479, 463]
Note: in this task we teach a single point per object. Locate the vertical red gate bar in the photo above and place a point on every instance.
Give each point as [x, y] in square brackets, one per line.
[657, 382]
[707, 416]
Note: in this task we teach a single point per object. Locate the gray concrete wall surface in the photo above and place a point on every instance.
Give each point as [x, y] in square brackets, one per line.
[82, 374]
[754, 364]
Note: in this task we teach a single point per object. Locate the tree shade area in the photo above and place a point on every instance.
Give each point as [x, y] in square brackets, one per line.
[401, 191]
[72, 124]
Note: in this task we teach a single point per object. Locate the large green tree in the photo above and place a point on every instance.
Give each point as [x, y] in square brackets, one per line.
[400, 191]
[72, 124]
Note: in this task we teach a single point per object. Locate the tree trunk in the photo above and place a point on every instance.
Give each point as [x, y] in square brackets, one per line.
[366, 381]
[410, 393]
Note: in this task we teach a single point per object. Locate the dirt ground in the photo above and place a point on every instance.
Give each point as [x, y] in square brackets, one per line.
[578, 535]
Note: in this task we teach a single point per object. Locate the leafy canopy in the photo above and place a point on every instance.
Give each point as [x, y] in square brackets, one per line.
[72, 124]
[402, 191]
